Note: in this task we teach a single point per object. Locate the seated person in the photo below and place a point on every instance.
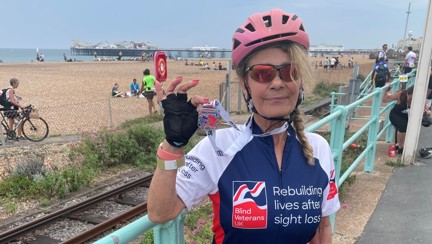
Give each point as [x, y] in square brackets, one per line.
[116, 92]
[381, 73]
[134, 87]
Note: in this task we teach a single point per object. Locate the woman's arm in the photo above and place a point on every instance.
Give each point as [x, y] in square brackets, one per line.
[12, 99]
[388, 97]
[163, 202]
[324, 232]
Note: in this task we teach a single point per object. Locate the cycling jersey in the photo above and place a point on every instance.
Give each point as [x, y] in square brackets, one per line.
[254, 201]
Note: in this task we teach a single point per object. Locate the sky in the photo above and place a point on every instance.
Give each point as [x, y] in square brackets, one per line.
[190, 23]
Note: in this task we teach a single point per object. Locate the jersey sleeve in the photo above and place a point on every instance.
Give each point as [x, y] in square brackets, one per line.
[323, 152]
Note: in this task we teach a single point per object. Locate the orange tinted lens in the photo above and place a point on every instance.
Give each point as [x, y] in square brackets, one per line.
[287, 73]
[263, 73]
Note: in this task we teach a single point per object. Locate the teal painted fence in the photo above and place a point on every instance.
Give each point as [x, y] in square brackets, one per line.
[172, 231]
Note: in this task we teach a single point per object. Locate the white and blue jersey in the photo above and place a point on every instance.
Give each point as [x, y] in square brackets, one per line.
[254, 201]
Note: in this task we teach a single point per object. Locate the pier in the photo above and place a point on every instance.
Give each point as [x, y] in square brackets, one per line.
[170, 52]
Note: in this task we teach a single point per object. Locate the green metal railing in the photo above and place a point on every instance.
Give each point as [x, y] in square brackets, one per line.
[172, 231]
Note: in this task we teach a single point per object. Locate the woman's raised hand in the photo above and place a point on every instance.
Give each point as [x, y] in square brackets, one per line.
[181, 116]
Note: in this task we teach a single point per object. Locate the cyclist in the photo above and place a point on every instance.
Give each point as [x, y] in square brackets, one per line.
[11, 106]
[269, 181]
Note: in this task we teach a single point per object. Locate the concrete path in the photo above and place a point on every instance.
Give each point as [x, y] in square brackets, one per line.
[404, 211]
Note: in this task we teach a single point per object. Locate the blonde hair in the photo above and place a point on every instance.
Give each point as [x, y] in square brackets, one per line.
[300, 59]
[301, 135]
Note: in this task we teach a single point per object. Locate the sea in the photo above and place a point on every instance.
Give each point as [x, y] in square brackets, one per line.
[23, 55]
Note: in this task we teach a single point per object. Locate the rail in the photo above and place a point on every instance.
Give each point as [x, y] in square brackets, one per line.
[15, 233]
[172, 231]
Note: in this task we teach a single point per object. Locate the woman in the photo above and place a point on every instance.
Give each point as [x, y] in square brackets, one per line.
[268, 180]
[12, 105]
[148, 86]
[399, 114]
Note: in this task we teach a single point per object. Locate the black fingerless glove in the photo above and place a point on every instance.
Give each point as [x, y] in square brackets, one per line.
[180, 120]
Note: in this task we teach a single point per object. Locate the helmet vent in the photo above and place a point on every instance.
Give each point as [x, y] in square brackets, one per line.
[269, 38]
[236, 43]
[302, 28]
[285, 19]
[239, 30]
[250, 27]
[267, 21]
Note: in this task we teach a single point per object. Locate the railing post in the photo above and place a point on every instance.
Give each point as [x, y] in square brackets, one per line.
[373, 130]
[170, 232]
[110, 112]
[332, 103]
[337, 138]
[336, 144]
[227, 93]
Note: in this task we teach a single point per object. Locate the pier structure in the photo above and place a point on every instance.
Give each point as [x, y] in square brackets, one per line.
[170, 52]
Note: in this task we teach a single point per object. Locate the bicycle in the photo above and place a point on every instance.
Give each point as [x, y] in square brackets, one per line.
[34, 128]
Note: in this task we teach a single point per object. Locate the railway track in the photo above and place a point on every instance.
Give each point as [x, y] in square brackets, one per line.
[38, 231]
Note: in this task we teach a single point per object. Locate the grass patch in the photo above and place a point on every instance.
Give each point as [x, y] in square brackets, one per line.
[321, 90]
[395, 163]
[133, 144]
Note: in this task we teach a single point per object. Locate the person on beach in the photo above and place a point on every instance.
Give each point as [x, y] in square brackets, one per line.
[115, 92]
[12, 105]
[148, 86]
[134, 88]
[382, 54]
[326, 64]
[269, 181]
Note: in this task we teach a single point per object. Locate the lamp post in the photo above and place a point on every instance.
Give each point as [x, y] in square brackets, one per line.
[406, 25]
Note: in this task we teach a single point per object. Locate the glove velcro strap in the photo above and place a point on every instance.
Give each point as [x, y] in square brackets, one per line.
[170, 164]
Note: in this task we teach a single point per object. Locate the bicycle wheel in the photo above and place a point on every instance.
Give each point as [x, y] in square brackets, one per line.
[35, 129]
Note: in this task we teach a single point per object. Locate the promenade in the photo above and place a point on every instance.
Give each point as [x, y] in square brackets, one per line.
[404, 212]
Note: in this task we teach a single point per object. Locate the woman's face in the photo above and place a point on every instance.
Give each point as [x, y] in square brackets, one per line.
[276, 98]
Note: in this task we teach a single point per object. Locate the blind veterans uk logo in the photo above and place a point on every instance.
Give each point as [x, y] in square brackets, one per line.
[249, 205]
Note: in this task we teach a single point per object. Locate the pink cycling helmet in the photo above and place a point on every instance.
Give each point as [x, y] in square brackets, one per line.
[262, 30]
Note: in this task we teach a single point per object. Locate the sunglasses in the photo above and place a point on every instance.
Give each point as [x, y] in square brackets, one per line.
[265, 73]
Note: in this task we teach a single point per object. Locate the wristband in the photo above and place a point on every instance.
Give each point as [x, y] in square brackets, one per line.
[164, 155]
[170, 164]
